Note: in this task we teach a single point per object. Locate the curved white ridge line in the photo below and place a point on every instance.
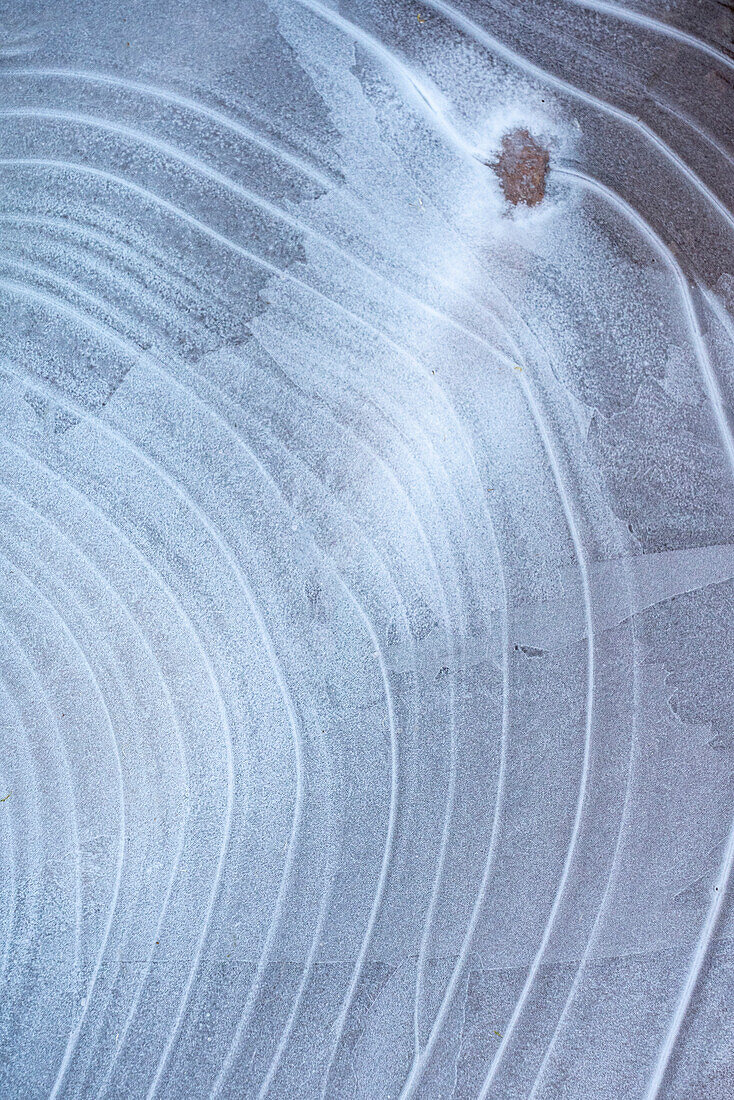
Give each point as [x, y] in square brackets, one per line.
[141, 266]
[266, 265]
[494, 45]
[271, 209]
[611, 879]
[718, 896]
[707, 373]
[170, 595]
[178, 491]
[438, 875]
[712, 384]
[716, 904]
[79, 1023]
[5, 691]
[116, 597]
[421, 1056]
[451, 655]
[105, 332]
[64, 756]
[681, 116]
[473, 335]
[401, 351]
[9, 847]
[285, 1035]
[450, 794]
[420, 1061]
[448, 993]
[420, 88]
[377, 901]
[477, 337]
[8, 833]
[23, 504]
[285, 881]
[714, 395]
[165, 148]
[387, 851]
[166, 95]
[583, 780]
[386, 856]
[631, 15]
[264, 958]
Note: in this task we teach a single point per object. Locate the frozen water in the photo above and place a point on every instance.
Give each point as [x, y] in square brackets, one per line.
[366, 550]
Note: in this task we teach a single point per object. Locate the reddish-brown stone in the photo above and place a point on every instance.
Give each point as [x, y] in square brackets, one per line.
[522, 167]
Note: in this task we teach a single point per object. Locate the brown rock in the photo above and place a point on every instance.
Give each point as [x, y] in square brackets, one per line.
[522, 167]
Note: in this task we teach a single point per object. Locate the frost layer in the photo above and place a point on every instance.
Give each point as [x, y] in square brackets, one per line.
[365, 551]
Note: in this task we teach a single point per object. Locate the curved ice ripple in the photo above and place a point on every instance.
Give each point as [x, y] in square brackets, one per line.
[366, 551]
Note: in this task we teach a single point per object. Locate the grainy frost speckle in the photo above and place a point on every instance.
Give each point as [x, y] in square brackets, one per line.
[366, 550]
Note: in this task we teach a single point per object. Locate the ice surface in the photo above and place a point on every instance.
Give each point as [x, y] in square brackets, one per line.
[366, 551]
